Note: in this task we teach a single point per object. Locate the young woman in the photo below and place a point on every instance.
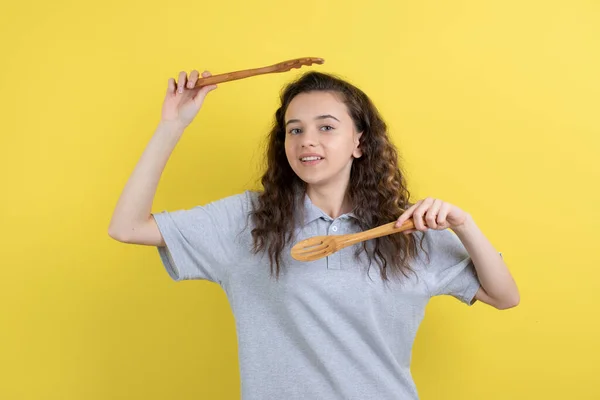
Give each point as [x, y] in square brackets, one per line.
[341, 327]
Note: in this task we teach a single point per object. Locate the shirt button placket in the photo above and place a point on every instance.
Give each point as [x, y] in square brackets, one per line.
[334, 260]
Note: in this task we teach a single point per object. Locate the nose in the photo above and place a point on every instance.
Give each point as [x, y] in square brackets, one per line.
[309, 138]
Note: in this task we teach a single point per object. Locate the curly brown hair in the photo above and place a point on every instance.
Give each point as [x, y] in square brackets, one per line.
[377, 187]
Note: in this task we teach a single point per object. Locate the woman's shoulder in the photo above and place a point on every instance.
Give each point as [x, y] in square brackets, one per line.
[438, 239]
[243, 201]
[442, 247]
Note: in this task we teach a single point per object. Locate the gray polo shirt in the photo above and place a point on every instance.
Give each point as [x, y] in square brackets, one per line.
[326, 330]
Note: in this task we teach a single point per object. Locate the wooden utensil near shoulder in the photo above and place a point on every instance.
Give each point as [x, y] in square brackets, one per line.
[283, 66]
[317, 247]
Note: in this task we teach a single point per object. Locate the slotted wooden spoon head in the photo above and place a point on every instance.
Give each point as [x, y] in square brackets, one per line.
[297, 63]
[314, 248]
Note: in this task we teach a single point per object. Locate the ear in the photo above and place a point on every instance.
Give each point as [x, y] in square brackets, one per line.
[357, 153]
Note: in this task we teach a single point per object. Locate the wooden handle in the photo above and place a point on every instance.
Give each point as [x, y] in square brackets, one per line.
[382, 230]
[246, 73]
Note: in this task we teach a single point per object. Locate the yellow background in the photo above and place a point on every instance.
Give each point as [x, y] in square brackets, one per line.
[494, 107]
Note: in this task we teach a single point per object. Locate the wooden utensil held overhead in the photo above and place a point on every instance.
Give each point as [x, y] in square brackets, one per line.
[246, 73]
[317, 247]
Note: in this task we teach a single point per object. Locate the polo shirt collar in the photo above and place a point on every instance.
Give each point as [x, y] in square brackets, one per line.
[312, 212]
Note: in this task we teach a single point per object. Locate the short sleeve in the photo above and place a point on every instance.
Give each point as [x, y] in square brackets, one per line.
[202, 242]
[451, 270]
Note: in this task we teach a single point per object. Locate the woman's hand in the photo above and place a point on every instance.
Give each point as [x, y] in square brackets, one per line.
[433, 213]
[183, 101]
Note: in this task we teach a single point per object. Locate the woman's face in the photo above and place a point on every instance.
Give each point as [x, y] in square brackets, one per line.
[320, 140]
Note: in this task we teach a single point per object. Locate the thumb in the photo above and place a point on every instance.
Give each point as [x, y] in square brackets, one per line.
[199, 97]
[201, 94]
[206, 89]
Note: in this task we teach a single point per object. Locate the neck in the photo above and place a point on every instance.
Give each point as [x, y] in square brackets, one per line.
[332, 200]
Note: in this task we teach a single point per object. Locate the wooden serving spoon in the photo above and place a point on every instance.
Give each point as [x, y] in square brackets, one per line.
[280, 67]
[317, 247]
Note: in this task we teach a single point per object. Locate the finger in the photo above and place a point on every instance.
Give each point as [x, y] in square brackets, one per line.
[171, 86]
[192, 79]
[418, 215]
[205, 89]
[405, 215]
[209, 88]
[432, 214]
[181, 81]
[419, 221]
[205, 74]
[443, 214]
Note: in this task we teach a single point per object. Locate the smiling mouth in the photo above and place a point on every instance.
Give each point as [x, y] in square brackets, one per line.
[307, 159]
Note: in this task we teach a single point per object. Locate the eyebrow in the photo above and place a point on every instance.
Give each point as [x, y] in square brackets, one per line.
[291, 121]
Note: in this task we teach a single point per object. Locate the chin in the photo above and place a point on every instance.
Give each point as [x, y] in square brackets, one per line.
[308, 180]
[313, 181]
[318, 179]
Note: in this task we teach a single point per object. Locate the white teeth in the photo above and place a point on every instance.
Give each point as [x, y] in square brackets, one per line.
[310, 158]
